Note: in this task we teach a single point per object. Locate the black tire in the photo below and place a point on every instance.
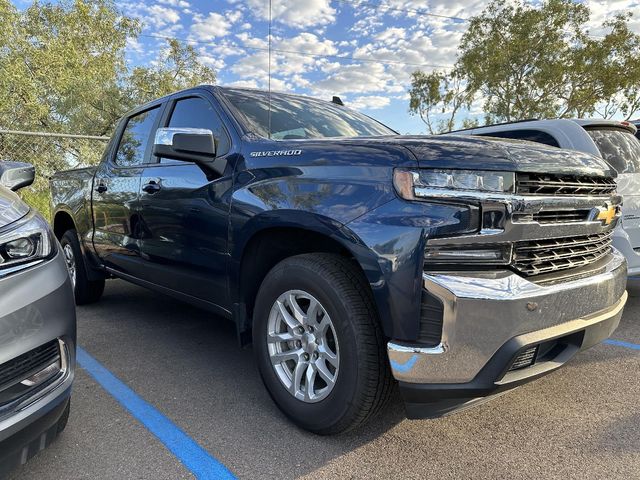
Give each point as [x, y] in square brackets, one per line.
[86, 291]
[364, 383]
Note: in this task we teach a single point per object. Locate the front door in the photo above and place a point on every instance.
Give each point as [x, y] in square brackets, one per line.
[116, 190]
[185, 213]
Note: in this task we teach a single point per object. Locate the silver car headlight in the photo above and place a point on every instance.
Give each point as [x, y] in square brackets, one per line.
[28, 240]
[422, 183]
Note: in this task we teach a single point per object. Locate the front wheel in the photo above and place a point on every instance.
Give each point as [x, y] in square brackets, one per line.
[319, 346]
[85, 290]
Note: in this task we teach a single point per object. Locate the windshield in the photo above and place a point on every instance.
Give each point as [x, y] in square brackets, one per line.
[295, 116]
[619, 148]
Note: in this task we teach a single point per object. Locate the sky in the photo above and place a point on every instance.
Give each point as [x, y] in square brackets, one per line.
[361, 50]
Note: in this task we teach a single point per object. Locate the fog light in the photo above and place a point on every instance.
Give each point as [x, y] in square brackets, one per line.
[20, 248]
[495, 255]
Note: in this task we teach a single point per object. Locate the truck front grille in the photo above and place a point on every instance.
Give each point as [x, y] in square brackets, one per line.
[550, 184]
[536, 257]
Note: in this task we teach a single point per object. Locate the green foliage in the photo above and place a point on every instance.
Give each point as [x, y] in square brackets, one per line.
[63, 70]
[38, 199]
[525, 62]
[437, 93]
[179, 69]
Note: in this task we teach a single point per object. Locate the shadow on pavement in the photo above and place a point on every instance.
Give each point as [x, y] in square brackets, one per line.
[187, 363]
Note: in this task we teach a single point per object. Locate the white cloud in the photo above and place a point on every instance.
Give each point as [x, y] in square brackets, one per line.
[356, 78]
[391, 35]
[210, 27]
[295, 13]
[369, 102]
[160, 16]
[176, 3]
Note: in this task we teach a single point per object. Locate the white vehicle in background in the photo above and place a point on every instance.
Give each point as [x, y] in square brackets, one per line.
[612, 140]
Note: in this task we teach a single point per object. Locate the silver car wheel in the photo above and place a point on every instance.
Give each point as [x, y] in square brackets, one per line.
[303, 346]
[71, 263]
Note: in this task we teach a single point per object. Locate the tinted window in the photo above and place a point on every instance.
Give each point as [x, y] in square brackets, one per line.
[135, 138]
[294, 116]
[531, 135]
[196, 112]
[619, 148]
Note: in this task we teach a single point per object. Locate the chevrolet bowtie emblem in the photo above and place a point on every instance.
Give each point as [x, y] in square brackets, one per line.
[607, 214]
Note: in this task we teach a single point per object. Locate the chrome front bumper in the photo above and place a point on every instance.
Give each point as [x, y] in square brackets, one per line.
[485, 311]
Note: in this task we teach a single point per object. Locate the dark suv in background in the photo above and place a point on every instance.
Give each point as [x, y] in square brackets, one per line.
[37, 326]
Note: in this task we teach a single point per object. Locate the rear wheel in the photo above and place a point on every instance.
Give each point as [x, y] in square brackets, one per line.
[85, 290]
[319, 347]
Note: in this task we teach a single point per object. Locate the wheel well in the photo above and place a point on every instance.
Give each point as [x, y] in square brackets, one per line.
[61, 223]
[269, 247]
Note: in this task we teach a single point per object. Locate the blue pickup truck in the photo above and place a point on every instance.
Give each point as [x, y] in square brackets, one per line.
[355, 260]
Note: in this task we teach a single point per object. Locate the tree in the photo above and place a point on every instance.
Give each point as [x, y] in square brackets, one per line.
[437, 94]
[178, 68]
[525, 62]
[64, 70]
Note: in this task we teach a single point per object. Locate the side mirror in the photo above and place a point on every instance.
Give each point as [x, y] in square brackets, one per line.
[16, 175]
[189, 145]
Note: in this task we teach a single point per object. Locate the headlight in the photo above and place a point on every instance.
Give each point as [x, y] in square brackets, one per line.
[26, 242]
[416, 184]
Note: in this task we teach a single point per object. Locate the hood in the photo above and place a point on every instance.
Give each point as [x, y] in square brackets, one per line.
[11, 207]
[444, 151]
[454, 151]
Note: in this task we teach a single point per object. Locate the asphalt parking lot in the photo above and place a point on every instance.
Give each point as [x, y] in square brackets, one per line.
[580, 422]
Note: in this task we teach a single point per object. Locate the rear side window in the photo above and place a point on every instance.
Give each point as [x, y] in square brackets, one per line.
[135, 138]
[618, 147]
[197, 112]
[530, 135]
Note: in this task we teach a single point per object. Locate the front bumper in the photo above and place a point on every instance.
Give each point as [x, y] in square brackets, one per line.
[36, 307]
[491, 318]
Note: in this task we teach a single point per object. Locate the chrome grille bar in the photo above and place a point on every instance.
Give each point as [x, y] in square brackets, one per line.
[545, 256]
[549, 184]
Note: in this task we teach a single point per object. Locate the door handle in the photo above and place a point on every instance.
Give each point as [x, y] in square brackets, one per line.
[151, 187]
[101, 188]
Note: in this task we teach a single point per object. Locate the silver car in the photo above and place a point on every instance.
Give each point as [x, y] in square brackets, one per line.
[611, 140]
[37, 326]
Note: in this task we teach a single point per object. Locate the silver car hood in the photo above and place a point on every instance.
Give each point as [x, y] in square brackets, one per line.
[11, 207]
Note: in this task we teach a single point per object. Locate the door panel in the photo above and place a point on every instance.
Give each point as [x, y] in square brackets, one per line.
[116, 191]
[184, 231]
[184, 214]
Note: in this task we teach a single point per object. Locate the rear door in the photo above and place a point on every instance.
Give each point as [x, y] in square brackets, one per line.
[621, 150]
[185, 211]
[116, 190]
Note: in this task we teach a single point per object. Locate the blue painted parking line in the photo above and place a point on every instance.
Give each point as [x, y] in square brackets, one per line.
[620, 343]
[192, 455]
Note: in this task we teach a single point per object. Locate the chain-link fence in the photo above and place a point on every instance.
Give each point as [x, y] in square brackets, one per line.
[49, 153]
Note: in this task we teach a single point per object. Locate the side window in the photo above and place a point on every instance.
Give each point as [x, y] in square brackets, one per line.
[196, 112]
[135, 138]
[530, 135]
